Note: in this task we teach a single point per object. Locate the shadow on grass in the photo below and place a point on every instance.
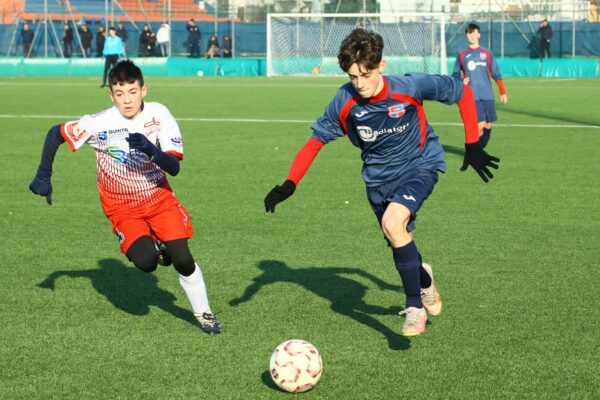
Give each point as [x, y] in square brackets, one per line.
[128, 289]
[459, 151]
[346, 295]
[266, 378]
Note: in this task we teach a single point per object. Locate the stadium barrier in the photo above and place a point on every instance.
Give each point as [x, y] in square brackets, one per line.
[510, 67]
[150, 66]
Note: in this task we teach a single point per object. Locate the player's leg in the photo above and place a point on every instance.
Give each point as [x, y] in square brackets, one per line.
[107, 62]
[490, 116]
[172, 225]
[142, 253]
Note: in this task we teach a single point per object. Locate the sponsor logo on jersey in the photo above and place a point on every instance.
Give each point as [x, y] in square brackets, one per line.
[152, 123]
[472, 65]
[119, 156]
[397, 110]
[360, 114]
[367, 134]
[103, 135]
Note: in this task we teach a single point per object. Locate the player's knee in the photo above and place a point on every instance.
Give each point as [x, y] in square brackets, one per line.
[183, 262]
[146, 262]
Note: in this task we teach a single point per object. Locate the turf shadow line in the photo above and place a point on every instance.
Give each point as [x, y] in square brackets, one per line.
[345, 295]
[126, 288]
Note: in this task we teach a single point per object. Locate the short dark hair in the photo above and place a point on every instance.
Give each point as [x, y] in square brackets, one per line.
[472, 27]
[361, 47]
[125, 72]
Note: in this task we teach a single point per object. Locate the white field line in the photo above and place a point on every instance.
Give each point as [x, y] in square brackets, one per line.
[303, 121]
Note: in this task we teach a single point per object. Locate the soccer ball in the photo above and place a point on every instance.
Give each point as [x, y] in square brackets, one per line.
[200, 73]
[296, 366]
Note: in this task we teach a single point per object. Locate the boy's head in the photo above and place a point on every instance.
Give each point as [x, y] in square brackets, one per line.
[127, 88]
[360, 57]
[473, 34]
[112, 31]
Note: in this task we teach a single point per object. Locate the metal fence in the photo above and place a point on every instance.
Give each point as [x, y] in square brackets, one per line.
[508, 28]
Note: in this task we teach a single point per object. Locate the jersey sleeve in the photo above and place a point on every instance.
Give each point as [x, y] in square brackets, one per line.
[495, 69]
[328, 127]
[457, 68]
[77, 133]
[444, 88]
[169, 137]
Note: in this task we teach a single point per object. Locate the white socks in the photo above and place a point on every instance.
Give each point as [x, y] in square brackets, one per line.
[195, 289]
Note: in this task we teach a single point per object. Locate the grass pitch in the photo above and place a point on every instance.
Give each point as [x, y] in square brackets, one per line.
[516, 260]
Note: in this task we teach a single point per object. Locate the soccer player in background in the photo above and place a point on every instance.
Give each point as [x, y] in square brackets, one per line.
[136, 143]
[112, 51]
[478, 65]
[385, 118]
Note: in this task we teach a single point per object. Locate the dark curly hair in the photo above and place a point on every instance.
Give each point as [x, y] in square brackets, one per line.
[125, 72]
[361, 47]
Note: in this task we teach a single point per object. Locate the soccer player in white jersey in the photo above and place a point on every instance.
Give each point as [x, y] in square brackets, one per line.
[136, 143]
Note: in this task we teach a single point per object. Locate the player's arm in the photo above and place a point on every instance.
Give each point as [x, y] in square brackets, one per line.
[299, 167]
[168, 162]
[449, 90]
[327, 128]
[41, 184]
[498, 78]
[475, 156]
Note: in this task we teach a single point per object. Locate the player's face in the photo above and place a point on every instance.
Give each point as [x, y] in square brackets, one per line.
[128, 98]
[473, 37]
[367, 82]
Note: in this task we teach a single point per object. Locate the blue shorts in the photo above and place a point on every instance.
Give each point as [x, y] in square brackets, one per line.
[486, 111]
[410, 189]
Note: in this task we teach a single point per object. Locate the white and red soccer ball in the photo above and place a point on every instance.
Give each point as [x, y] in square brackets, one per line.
[296, 366]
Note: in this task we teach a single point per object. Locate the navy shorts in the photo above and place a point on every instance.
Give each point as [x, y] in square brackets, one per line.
[410, 189]
[486, 111]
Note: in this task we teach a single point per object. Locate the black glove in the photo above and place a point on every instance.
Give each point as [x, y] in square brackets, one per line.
[477, 158]
[41, 184]
[140, 142]
[279, 194]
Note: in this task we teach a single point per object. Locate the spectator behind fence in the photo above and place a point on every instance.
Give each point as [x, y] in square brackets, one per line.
[193, 38]
[113, 50]
[27, 36]
[163, 36]
[212, 48]
[144, 38]
[86, 40]
[152, 49]
[67, 40]
[226, 46]
[122, 33]
[100, 39]
[546, 33]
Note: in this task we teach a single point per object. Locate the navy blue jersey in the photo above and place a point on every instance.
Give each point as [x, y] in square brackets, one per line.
[391, 128]
[479, 65]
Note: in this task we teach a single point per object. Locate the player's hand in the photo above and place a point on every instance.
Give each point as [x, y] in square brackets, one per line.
[140, 142]
[504, 98]
[41, 185]
[279, 194]
[481, 161]
[466, 81]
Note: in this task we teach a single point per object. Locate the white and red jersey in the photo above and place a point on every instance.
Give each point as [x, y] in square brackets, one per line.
[127, 178]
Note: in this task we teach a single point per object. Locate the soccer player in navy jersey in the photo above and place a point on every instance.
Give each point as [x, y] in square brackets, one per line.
[385, 118]
[478, 65]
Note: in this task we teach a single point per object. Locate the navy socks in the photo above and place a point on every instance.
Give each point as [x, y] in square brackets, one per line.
[407, 263]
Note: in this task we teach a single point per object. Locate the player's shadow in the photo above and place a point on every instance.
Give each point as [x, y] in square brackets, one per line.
[459, 151]
[127, 288]
[345, 295]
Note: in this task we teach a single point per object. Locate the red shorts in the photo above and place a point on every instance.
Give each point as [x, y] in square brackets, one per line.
[164, 220]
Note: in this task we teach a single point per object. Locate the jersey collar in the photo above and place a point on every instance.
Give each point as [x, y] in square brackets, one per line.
[383, 95]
